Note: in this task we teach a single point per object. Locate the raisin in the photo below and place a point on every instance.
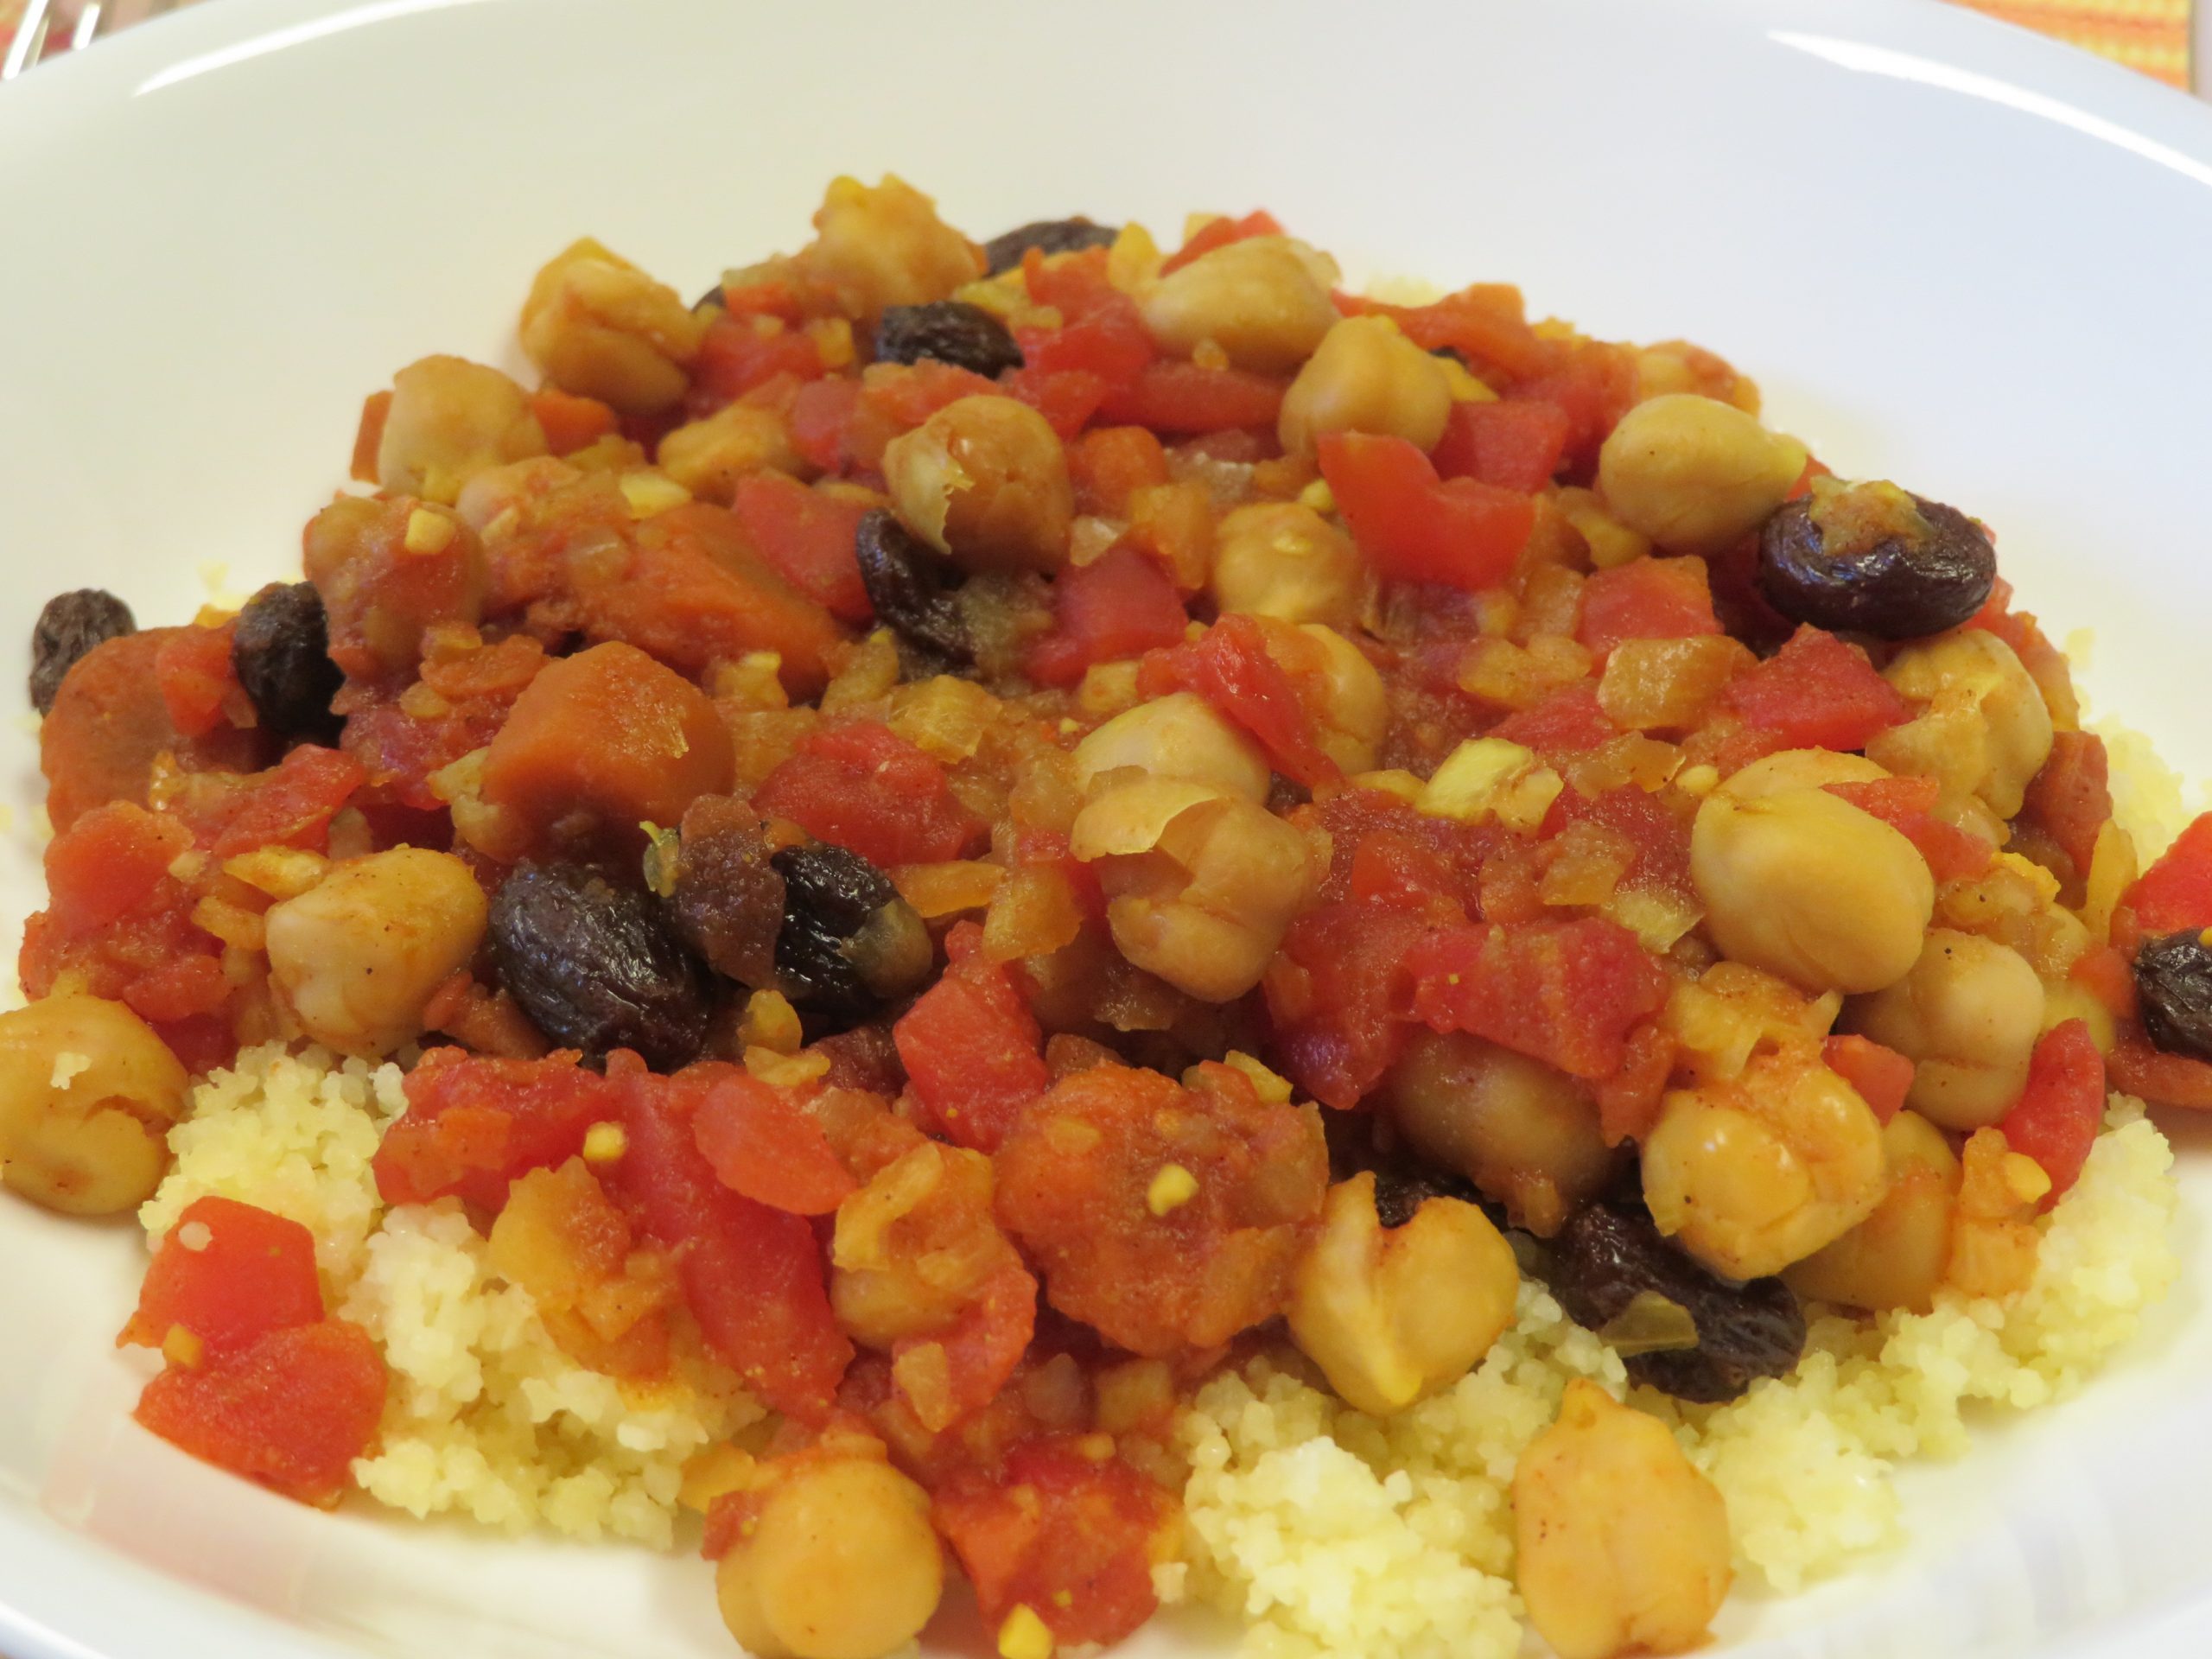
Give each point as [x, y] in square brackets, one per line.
[1871, 558]
[913, 589]
[1609, 1255]
[849, 943]
[950, 331]
[70, 625]
[2173, 984]
[729, 900]
[281, 653]
[1047, 236]
[597, 967]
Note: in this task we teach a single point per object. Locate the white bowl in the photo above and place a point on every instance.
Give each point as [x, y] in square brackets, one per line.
[1951, 252]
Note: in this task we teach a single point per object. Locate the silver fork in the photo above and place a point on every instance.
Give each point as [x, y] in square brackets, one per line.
[93, 19]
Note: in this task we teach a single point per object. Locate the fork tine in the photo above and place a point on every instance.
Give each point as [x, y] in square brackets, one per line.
[88, 25]
[30, 36]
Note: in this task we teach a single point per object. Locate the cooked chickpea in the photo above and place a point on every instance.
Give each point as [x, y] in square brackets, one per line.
[1340, 688]
[450, 420]
[1264, 300]
[1799, 769]
[357, 955]
[1280, 559]
[1181, 736]
[1620, 1544]
[1200, 884]
[596, 324]
[840, 1564]
[707, 457]
[985, 479]
[1983, 729]
[1751, 1175]
[87, 1094]
[1805, 885]
[1523, 1132]
[883, 245]
[1968, 1017]
[1365, 376]
[1390, 1316]
[1895, 1257]
[1694, 473]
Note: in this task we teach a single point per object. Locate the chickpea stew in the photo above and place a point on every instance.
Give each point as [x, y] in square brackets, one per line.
[971, 837]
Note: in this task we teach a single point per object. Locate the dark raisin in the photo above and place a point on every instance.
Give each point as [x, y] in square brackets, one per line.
[729, 900]
[1608, 1255]
[1871, 558]
[849, 943]
[597, 967]
[282, 656]
[71, 624]
[1047, 236]
[2173, 985]
[913, 589]
[1452, 352]
[951, 331]
[1402, 1189]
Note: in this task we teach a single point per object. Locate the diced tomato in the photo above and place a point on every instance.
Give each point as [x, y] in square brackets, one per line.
[1171, 396]
[1517, 446]
[2055, 1121]
[860, 787]
[1629, 1101]
[1349, 1024]
[1567, 722]
[1817, 691]
[1413, 527]
[1110, 464]
[1219, 234]
[2163, 1079]
[909, 393]
[1593, 385]
[1881, 1075]
[1101, 333]
[982, 1347]
[178, 990]
[192, 669]
[228, 1272]
[1069, 1537]
[569, 422]
[1566, 993]
[473, 1123]
[291, 804]
[1119, 605]
[1229, 666]
[2071, 797]
[1486, 324]
[761, 1145]
[807, 537]
[2176, 891]
[736, 356]
[753, 1276]
[292, 1409]
[972, 1049]
[108, 863]
[1067, 399]
[820, 414]
[1907, 805]
[1646, 598]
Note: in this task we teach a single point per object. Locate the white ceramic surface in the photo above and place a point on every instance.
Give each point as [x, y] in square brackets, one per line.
[1951, 252]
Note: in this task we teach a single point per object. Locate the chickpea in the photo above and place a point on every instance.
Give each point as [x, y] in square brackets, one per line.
[357, 955]
[1694, 473]
[1619, 1544]
[1807, 886]
[1280, 559]
[707, 457]
[450, 420]
[1200, 884]
[1365, 376]
[1968, 1017]
[1264, 300]
[596, 324]
[840, 1564]
[883, 245]
[1390, 1316]
[87, 1094]
[1340, 688]
[1799, 769]
[985, 479]
[1895, 1257]
[1179, 736]
[1751, 1175]
[1524, 1133]
[1983, 730]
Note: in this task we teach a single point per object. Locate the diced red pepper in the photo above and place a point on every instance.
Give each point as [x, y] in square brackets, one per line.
[1817, 691]
[228, 1272]
[972, 1049]
[1171, 396]
[807, 537]
[1646, 598]
[473, 1123]
[2176, 891]
[861, 787]
[1514, 446]
[292, 1409]
[1881, 1075]
[1414, 527]
[1219, 234]
[761, 1145]
[1120, 605]
[1229, 666]
[1907, 805]
[2055, 1121]
[1566, 993]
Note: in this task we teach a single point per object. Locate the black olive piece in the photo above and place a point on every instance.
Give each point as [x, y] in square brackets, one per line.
[849, 943]
[1901, 575]
[951, 331]
[281, 655]
[2173, 984]
[597, 967]
[912, 588]
[69, 627]
[1047, 236]
[1608, 1255]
